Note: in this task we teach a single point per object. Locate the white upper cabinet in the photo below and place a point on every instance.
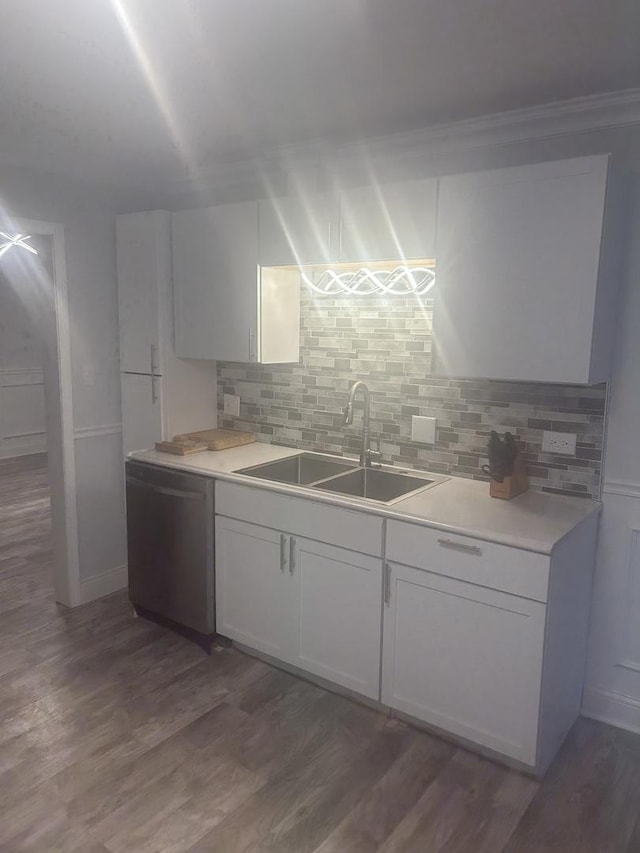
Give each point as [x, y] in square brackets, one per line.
[369, 223]
[396, 220]
[299, 230]
[144, 288]
[215, 273]
[526, 288]
[224, 309]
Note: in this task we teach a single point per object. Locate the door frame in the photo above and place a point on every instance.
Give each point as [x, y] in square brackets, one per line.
[59, 425]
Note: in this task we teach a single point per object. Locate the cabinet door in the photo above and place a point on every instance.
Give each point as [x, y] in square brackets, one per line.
[340, 622]
[216, 282]
[144, 268]
[518, 254]
[465, 659]
[395, 221]
[299, 230]
[256, 601]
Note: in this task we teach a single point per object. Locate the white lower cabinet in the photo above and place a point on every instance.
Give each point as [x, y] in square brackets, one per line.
[464, 658]
[256, 602]
[309, 604]
[480, 639]
[340, 619]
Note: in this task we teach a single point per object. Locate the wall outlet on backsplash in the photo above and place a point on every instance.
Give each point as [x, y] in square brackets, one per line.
[423, 429]
[231, 403]
[559, 442]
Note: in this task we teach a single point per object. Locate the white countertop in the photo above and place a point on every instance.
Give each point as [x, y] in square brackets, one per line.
[535, 521]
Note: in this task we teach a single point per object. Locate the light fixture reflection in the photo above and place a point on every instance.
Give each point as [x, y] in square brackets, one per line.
[401, 280]
[17, 240]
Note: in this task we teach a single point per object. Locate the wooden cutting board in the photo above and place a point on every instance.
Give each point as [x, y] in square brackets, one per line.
[181, 448]
[219, 439]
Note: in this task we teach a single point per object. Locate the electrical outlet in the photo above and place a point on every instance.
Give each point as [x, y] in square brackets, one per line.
[559, 442]
[423, 429]
[231, 405]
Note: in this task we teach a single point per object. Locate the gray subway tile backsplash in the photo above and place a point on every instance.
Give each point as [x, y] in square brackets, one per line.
[387, 343]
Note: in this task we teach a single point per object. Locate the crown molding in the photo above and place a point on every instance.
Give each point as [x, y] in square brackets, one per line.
[579, 115]
[561, 118]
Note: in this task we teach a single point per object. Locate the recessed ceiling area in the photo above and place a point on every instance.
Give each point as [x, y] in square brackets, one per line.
[141, 92]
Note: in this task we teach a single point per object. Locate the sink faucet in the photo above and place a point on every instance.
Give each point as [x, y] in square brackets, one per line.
[366, 454]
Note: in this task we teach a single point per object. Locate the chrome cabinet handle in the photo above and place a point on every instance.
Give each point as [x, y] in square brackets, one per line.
[153, 359]
[292, 560]
[387, 584]
[252, 345]
[460, 546]
[154, 393]
[283, 552]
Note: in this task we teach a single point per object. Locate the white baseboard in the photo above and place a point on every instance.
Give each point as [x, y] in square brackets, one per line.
[613, 708]
[104, 584]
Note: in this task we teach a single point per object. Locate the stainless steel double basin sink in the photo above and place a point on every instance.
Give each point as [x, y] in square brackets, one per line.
[341, 477]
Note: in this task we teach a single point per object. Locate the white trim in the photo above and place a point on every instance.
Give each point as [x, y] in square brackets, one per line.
[611, 707]
[560, 118]
[631, 665]
[104, 584]
[9, 435]
[97, 431]
[16, 377]
[628, 490]
[593, 112]
[66, 565]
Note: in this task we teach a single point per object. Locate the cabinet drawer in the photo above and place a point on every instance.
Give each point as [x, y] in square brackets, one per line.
[302, 517]
[511, 570]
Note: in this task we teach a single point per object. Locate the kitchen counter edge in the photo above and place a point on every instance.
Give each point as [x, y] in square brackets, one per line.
[471, 495]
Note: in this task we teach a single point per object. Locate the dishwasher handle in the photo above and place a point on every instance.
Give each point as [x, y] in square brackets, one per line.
[165, 490]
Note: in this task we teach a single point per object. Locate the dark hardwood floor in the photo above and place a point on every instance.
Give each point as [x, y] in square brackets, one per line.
[117, 735]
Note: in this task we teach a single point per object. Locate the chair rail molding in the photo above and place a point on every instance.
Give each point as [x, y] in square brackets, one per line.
[11, 377]
[619, 487]
[97, 431]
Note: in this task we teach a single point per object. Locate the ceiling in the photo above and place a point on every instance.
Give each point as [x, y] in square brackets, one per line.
[143, 91]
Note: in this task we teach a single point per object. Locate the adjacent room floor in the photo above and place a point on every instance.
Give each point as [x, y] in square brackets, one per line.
[117, 735]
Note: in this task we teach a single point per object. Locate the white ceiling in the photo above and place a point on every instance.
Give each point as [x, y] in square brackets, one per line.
[142, 91]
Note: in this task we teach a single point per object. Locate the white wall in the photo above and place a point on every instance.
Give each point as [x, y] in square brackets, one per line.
[613, 676]
[88, 216]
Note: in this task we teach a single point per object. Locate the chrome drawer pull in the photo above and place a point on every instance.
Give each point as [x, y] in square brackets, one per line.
[459, 546]
[283, 552]
[387, 584]
[292, 556]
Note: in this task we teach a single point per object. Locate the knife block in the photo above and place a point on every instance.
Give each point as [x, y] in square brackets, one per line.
[513, 484]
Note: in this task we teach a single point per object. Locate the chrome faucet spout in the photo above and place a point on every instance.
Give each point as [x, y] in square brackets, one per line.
[366, 452]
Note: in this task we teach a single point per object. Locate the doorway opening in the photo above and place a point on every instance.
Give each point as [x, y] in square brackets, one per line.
[38, 528]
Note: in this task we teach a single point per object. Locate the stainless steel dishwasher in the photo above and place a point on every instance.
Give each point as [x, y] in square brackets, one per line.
[170, 542]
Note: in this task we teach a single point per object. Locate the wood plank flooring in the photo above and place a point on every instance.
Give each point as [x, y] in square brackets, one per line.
[117, 736]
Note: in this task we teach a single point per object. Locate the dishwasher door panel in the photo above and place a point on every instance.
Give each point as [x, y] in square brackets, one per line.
[170, 543]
